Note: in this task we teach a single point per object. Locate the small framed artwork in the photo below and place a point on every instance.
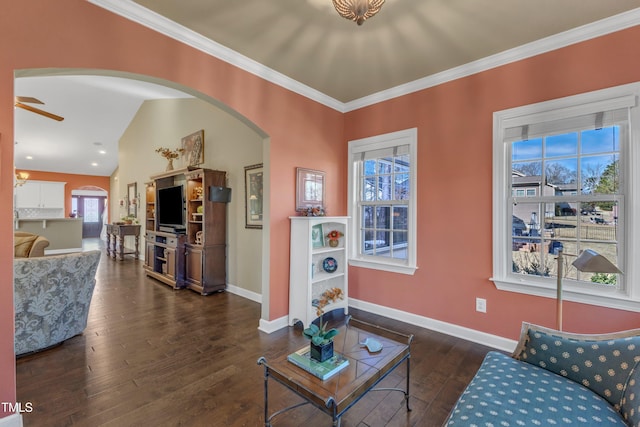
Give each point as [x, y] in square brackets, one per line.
[317, 236]
[193, 149]
[309, 189]
[253, 176]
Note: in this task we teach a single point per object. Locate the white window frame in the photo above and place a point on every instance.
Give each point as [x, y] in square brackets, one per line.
[405, 137]
[626, 297]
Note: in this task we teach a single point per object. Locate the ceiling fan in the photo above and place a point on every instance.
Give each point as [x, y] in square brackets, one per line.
[22, 101]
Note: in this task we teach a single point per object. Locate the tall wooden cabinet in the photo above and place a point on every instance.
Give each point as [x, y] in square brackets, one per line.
[205, 249]
[194, 256]
[316, 265]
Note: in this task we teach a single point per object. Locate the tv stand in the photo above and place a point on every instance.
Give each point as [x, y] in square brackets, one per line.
[174, 230]
[191, 256]
[164, 258]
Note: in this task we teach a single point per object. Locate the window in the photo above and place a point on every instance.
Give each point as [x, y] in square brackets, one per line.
[382, 194]
[579, 155]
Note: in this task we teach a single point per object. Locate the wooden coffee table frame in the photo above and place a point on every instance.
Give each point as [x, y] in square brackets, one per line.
[338, 394]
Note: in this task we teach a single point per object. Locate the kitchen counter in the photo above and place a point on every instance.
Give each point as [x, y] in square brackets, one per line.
[64, 234]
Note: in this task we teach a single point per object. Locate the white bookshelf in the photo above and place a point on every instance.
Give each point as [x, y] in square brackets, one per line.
[307, 277]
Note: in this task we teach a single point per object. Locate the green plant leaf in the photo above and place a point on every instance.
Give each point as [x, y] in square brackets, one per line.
[311, 331]
[330, 334]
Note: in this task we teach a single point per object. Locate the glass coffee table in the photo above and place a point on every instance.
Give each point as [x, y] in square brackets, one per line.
[366, 369]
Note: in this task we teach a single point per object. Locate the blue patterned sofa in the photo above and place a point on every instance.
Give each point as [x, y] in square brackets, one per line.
[556, 378]
[51, 298]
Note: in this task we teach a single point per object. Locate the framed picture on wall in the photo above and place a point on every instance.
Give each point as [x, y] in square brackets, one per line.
[253, 184]
[193, 149]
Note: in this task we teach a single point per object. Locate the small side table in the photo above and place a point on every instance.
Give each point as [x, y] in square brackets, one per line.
[115, 240]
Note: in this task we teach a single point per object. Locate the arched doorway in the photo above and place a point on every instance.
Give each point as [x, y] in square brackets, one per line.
[90, 204]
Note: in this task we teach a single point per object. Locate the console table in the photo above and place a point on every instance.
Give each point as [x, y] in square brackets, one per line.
[115, 240]
[337, 394]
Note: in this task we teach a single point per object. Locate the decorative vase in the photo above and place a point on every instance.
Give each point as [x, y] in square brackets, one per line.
[170, 165]
[334, 243]
[322, 352]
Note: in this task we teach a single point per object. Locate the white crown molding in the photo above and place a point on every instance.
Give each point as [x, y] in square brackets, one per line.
[150, 19]
[586, 32]
[156, 22]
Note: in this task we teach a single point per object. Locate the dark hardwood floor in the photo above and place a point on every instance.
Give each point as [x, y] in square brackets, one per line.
[153, 356]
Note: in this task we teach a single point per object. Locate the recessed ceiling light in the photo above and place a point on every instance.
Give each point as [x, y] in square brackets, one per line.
[102, 152]
[29, 157]
[94, 164]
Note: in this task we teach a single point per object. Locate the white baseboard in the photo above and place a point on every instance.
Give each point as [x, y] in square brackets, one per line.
[13, 420]
[250, 295]
[490, 340]
[270, 326]
[468, 334]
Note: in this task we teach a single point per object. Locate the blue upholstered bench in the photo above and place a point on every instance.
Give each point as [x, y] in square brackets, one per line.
[556, 378]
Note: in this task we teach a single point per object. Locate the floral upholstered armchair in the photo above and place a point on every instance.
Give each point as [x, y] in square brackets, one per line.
[52, 295]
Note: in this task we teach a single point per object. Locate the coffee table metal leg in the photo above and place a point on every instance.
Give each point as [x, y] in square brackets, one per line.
[406, 395]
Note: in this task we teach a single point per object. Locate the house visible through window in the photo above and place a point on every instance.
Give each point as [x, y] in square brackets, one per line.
[562, 182]
[382, 208]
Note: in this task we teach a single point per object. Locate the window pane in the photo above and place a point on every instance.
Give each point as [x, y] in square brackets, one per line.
[604, 140]
[400, 218]
[402, 187]
[526, 150]
[367, 216]
[383, 219]
[561, 145]
[384, 165]
[383, 243]
[369, 189]
[368, 241]
[91, 211]
[562, 174]
[369, 167]
[384, 187]
[402, 164]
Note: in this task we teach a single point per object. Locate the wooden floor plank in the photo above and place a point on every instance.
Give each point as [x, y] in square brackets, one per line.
[151, 355]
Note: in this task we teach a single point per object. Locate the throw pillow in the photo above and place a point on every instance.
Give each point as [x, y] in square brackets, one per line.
[22, 245]
[600, 365]
[631, 398]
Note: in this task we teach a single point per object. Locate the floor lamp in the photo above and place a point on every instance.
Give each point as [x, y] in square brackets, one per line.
[589, 261]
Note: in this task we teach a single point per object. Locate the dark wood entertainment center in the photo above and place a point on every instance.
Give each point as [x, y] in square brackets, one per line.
[191, 254]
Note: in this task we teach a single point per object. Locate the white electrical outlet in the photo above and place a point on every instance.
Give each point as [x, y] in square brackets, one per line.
[481, 305]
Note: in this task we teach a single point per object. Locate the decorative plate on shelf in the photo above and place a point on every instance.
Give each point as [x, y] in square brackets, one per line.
[329, 264]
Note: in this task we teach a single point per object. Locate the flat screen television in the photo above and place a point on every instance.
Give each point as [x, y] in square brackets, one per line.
[170, 207]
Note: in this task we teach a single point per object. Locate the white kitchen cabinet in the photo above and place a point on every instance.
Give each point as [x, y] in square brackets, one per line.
[315, 266]
[40, 195]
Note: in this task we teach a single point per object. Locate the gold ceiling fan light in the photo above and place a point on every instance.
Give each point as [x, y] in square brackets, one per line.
[357, 10]
[22, 101]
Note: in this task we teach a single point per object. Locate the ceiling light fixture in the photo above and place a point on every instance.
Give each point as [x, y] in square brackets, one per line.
[357, 10]
[21, 178]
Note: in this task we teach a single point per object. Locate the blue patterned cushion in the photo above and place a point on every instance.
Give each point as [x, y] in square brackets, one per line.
[601, 365]
[631, 398]
[508, 392]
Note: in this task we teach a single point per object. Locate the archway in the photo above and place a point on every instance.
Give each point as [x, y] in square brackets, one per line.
[262, 294]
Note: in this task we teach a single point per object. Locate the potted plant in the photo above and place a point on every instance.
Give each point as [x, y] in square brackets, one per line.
[321, 337]
[130, 219]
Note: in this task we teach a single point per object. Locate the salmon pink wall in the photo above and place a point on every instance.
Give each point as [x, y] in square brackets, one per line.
[73, 182]
[454, 122]
[77, 34]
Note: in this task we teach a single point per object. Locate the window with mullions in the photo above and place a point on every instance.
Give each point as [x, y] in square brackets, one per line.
[382, 190]
[577, 155]
[384, 183]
